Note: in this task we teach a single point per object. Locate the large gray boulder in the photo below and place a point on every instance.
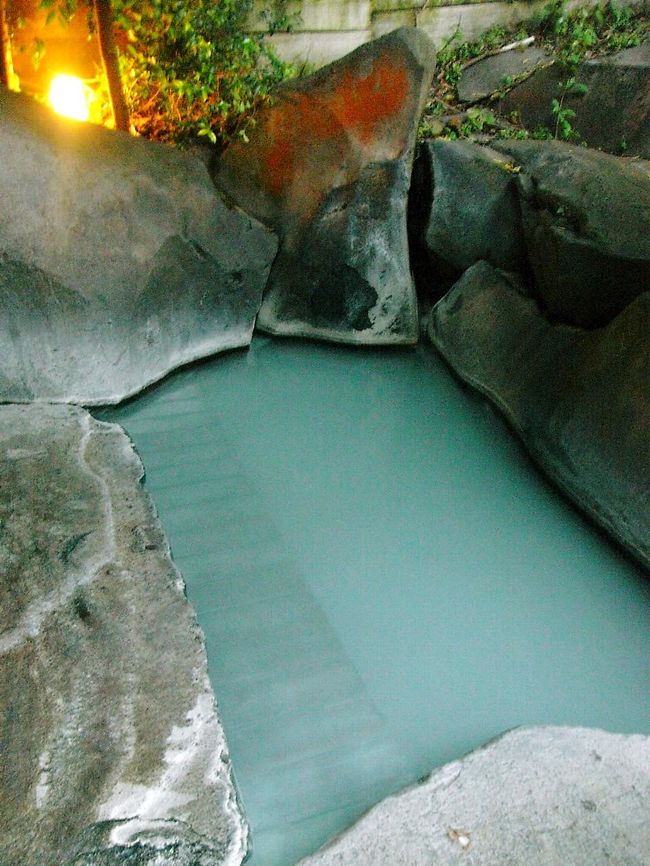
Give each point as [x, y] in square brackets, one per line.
[112, 750]
[464, 208]
[118, 260]
[328, 167]
[547, 796]
[580, 400]
[586, 220]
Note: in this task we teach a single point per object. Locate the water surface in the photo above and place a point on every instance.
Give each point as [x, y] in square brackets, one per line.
[384, 579]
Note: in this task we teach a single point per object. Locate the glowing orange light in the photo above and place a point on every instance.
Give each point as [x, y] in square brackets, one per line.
[70, 97]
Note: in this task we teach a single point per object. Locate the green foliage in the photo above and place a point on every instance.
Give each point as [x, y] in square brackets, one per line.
[563, 114]
[571, 35]
[189, 68]
[578, 34]
[456, 52]
[563, 120]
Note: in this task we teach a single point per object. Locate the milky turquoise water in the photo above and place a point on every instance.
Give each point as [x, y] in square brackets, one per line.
[384, 579]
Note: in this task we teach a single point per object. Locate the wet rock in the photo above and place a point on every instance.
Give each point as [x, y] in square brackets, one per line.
[544, 796]
[490, 74]
[118, 260]
[328, 168]
[463, 208]
[579, 399]
[614, 112]
[586, 220]
[112, 750]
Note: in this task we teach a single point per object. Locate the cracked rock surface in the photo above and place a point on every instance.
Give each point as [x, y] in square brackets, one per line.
[119, 261]
[112, 750]
[463, 208]
[547, 796]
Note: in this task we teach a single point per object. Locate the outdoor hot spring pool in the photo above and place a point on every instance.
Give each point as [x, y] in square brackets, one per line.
[384, 579]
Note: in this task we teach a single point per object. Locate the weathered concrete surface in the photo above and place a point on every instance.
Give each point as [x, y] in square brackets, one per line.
[118, 260]
[580, 400]
[464, 207]
[112, 751]
[546, 796]
[612, 115]
[328, 167]
[486, 75]
[586, 221]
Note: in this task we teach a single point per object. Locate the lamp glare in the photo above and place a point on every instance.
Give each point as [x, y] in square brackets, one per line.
[68, 96]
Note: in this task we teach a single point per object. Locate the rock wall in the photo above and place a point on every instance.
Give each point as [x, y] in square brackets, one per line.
[612, 115]
[538, 255]
[580, 400]
[324, 30]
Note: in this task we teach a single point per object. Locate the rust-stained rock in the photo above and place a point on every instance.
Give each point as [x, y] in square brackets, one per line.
[328, 168]
[111, 748]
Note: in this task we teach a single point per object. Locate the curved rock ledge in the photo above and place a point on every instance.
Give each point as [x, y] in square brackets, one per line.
[112, 750]
[579, 399]
[118, 260]
[548, 796]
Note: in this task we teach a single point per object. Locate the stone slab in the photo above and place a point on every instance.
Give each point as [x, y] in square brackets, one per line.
[580, 400]
[614, 112]
[487, 75]
[328, 168]
[118, 260]
[112, 749]
[472, 19]
[385, 22]
[547, 796]
[317, 48]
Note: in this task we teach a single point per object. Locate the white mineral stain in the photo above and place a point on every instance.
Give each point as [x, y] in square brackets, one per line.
[189, 749]
[37, 612]
[43, 784]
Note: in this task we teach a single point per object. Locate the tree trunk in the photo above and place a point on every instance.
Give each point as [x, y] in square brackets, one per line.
[6, 62]
[108, 49]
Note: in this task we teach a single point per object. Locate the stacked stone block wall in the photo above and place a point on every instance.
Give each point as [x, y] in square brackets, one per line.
[324, 30]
